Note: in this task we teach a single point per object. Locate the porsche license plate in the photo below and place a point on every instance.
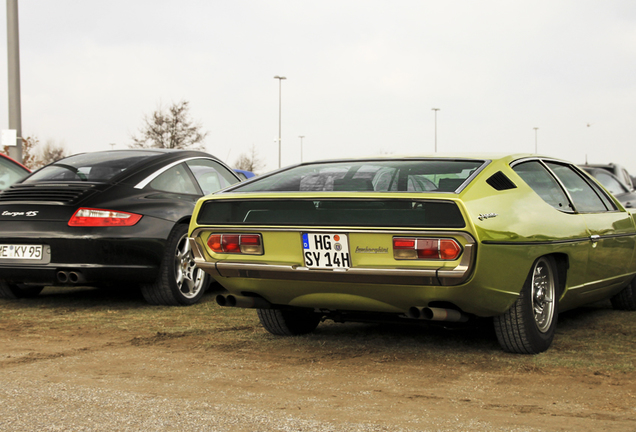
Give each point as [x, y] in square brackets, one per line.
[29, 252]
[326, 251]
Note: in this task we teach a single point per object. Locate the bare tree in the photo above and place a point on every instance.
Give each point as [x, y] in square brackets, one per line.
[29, 153]
[249, 161]
[49, 153]
[172, 128]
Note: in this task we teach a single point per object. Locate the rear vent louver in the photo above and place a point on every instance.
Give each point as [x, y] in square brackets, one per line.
[500, 181]
[63, 194]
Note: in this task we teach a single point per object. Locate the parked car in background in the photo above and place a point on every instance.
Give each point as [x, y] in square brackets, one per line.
[518, 238]
[620, 172]
[11, 171]
[108, 218]
[613, 184]
[243, 174]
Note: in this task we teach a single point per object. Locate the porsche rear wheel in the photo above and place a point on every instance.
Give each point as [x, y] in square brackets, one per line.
[626, 299]
[180, 282]
[16, 291]
[288, 322]
[529, 325]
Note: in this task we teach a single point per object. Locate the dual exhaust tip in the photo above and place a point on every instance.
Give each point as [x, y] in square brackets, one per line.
[73, 277]
[242, 301]
[437, 314]
[415, 312]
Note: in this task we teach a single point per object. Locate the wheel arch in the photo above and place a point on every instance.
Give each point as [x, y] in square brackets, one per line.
[562, 262]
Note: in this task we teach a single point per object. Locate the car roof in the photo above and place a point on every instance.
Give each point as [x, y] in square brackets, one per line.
[13, 161]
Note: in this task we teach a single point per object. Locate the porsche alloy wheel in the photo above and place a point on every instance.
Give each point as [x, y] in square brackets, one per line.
[180, 281]
[288, 322]
[528, 326]
[16, 291]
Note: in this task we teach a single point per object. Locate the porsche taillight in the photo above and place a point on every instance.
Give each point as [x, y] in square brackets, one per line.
[249, 244]
[91, 217]
[425, 248]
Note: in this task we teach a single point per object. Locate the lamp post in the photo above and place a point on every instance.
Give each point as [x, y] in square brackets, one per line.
[13, 54]
[301, 147]
[435, 109]
[535, 139]
[280, 80]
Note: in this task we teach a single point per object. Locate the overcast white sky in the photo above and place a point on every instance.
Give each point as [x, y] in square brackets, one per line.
[362, 75]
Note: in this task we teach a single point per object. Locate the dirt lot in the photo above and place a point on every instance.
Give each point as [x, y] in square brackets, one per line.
[86, 360]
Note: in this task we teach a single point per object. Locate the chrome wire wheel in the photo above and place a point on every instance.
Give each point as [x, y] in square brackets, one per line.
[188, 277]
[543, 294]
[529, 325]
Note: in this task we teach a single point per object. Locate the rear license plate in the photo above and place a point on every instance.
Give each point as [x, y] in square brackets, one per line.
[28, 252]
[326, 251]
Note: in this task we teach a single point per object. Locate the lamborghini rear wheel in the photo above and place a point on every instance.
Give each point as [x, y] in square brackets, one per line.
[288, 322]
[529, 325]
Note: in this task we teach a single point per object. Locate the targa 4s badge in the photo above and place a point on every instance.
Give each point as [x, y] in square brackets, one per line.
[29, 213]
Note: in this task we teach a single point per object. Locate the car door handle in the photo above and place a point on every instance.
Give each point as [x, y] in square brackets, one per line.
[595, 237]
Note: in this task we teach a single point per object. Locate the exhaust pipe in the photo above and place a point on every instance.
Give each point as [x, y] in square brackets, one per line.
[436, 314]
[440, 314]
[232, 300]
[62, 276]
[415, 312]
[76, 277]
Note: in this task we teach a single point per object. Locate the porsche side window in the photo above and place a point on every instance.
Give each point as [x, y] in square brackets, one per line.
[542, 182]
[176, 180]
[584, 196]
[211, 175]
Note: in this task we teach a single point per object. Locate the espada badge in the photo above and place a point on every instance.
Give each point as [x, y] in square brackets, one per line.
[483, 216]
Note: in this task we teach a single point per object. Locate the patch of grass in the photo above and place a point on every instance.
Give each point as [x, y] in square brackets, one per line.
[591, 339]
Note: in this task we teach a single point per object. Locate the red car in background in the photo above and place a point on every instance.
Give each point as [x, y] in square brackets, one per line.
[11, 171]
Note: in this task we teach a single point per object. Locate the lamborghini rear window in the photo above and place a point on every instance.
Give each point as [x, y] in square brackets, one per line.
[425, 175]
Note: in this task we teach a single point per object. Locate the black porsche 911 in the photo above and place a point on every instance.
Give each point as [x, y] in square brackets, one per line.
[108, 218]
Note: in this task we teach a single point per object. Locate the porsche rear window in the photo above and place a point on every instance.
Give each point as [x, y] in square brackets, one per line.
[425, 175]
[332, 212]
[99, 166]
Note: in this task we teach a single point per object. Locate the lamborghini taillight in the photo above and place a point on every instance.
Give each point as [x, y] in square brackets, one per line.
[426, 248]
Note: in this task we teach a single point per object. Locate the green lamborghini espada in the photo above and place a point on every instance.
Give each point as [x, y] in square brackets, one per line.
[518, 238]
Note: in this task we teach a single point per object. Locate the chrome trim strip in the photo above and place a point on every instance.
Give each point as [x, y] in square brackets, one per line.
[142, 184]
[388, 276]
[411, 231]
[550, 242]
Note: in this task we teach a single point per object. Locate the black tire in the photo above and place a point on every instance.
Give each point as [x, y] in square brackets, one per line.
[16, 291]
[529, 325]
[179, 282]
[626, 299]
[288, 322]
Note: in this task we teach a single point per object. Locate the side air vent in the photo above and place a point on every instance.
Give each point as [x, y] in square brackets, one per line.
[500, 181]
[57, 193]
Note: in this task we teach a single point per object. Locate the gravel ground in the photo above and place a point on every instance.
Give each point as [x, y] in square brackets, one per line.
[33, 405]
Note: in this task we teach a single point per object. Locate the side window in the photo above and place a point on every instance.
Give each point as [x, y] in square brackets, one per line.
[176, 180]
[610, 183]
[584, 196]
[542, 182]
[211, 175]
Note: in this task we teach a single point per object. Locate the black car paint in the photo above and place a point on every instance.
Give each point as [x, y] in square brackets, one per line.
[100, 254]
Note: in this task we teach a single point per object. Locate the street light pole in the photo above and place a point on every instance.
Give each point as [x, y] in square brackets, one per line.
[280, 80]
[301, 147]
[435, 109]
[535, 139]
[13, 52]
